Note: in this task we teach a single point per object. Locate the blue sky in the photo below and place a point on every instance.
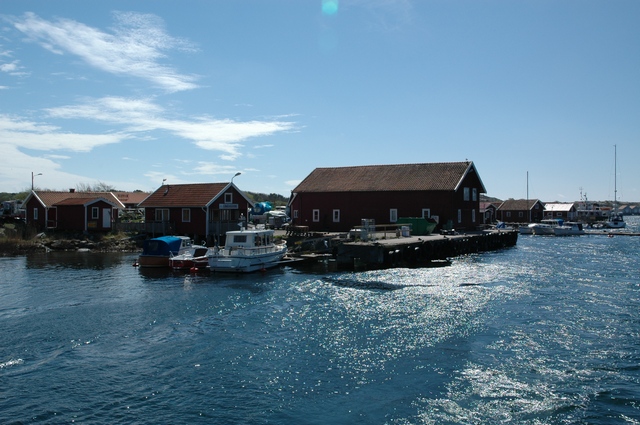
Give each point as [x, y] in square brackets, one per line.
[129, 93]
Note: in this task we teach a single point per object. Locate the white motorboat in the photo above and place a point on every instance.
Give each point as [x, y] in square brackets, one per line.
[546, 226]
[615, 221]
[569, 228]
[196, 257]
[247, 250]
[526, 230]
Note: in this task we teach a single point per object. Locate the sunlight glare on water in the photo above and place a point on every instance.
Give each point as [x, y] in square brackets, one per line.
[546, 332]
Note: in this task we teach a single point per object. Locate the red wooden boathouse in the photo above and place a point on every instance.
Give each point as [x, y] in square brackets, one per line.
[337, 199]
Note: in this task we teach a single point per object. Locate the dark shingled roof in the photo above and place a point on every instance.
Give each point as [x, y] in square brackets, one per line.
[184, 195]
[385, 178]
[518, 204]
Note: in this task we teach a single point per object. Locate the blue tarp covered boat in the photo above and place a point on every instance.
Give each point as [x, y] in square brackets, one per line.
[157, 251]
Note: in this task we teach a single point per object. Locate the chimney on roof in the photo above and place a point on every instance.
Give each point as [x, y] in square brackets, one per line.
[72, 190]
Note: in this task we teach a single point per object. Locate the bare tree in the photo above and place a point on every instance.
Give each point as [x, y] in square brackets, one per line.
[103, 187]
[97, 187]
[83, 187]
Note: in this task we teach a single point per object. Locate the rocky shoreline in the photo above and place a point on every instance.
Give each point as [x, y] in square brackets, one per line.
[22, 247]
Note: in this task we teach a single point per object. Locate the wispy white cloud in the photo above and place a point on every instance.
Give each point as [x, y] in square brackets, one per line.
[57, 156]
[15, 174]
[164, 178]
[30, 135]
[136, 45]
[13, 67]
[293, 183]
[211, 168]
[141, 115]
[9, 67]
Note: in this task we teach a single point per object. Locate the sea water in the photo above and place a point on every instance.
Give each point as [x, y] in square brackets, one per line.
[546, 332]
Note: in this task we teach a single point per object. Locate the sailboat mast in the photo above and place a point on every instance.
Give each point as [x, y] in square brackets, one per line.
[528, 207]
[615, 178]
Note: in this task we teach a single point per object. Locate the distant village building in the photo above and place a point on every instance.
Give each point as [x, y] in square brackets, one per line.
[130, 200]
[337, 199]
[520, 211]
[563, 210]
[488, 211]
[590, 212]
[625, 209]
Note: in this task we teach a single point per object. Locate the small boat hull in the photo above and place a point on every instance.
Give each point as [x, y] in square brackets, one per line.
[197, 257]
[187, 263]
[153, 260]
[543, 230]
[569, 229]
[245, 263]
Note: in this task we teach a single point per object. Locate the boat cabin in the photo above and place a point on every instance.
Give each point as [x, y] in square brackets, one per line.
[249, 239]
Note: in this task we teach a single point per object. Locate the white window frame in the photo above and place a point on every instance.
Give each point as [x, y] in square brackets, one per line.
[426, 213]
[315, 216]
[188, 215]
[474, 194]
[95, 213]
[393, 215]
[228, 198]
[336, 216]
[465, 193]
[35, 213]
[164, 214]
[295, 213]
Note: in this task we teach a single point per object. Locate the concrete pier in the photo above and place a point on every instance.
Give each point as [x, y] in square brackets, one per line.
[415, 251]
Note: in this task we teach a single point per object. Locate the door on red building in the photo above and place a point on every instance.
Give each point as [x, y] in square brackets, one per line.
[106, 218]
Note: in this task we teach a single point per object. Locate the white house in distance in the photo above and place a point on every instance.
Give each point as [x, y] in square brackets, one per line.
[563, 210]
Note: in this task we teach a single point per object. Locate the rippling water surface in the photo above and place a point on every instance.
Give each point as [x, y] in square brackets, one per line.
[547, 332]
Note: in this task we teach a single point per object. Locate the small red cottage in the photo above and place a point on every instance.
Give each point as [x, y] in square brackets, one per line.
[337, 199]
[199, 210]
[72, 211]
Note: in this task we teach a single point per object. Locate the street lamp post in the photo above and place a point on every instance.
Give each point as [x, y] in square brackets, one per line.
[241, 219]
[32, 176]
